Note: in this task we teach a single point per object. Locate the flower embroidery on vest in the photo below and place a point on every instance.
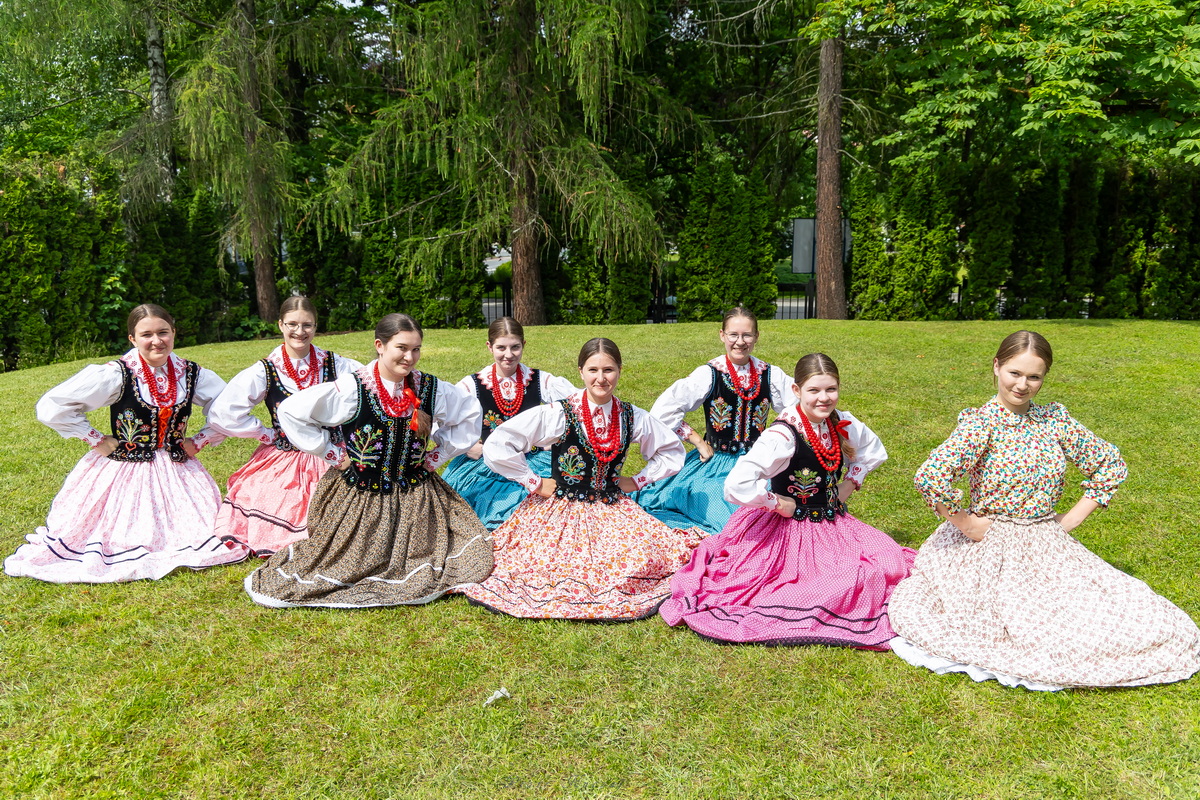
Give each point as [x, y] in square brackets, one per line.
[804, 484]
[365, 447]
[492, 420]
[129, 431]
[759, 420]
[722, 414]
[571, 466]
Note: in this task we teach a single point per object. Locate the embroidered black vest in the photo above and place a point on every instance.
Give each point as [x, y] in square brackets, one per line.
[732, 425]
[277, 393]
[384, 452]
[807, 482]
[492, 416]
[135, 423]
[573, 464]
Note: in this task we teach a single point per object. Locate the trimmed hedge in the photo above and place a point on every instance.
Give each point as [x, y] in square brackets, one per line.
[1102, 236]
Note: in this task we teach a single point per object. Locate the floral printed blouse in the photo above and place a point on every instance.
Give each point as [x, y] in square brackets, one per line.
[1015, 463]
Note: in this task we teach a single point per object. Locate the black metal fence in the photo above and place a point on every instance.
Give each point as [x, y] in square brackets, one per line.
[662, 304]
[497, 302]
[794, 301]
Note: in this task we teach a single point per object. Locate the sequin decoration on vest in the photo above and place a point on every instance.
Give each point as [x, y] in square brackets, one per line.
[580, 475]
[493, 415]
[808, 482]
[141, 428]
[734, 417]
[385, 452]
[277, 393]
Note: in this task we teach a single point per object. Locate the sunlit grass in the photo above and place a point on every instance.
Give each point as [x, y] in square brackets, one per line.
[184, 688]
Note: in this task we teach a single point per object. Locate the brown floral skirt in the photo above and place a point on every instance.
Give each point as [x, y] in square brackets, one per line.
[1030, 602]
[369, 549]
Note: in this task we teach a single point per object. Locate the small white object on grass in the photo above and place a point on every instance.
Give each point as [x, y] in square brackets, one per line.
[499, 694]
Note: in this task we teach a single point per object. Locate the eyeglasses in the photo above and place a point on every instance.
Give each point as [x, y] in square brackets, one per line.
[299, 326]
[741, 337]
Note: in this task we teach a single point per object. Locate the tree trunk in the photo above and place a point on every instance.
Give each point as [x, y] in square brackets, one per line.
[160, 105]
[258, 201]
[529, 306]
[831, 283]
[156, 64]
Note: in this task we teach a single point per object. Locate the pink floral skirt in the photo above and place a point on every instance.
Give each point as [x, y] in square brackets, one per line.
[116, 521]
[568, 559]
[773, 580]
[267, 503]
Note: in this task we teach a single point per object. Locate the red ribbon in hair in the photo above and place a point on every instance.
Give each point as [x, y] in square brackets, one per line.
[841, 428]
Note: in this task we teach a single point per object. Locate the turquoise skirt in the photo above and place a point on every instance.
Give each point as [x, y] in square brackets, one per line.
[492, 496]
[694, 496]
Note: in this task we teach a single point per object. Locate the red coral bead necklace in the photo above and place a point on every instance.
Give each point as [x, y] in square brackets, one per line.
[608, 449]
[829, 456]
[397, 407]
[752, 381]
[508, 407]
[162, 398]
[311, 378]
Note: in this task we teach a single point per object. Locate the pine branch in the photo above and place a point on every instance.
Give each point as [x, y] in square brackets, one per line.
[47, 109]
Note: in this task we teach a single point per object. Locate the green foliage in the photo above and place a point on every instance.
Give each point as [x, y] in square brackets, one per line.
[176, 260]
[905, 263]
[375, 151]
[726, 247]
[1125, 71]
[329, 272]
[512, 109]
[438, 279]
[442, 294]
[587, 289]
[1036, 277]
[353, 281]
[1080, 236]
[990, 236]
[1171, 288]
[50, 235]
[1095, 236]
[66, 249]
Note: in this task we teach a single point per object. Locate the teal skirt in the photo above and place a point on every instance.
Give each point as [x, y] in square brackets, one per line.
[492, 496]
[694, 497]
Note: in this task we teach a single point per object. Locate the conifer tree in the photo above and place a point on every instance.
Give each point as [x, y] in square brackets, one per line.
[511, 102]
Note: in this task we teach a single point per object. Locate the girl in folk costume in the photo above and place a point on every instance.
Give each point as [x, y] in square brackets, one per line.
[267, 501]
[738, 392]
[502, 390]
[1001, 590]
[578, 547]
[384, 529]
[793, 566]
[138, 505]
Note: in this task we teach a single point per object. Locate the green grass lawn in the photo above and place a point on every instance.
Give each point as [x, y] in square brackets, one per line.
[184, 688]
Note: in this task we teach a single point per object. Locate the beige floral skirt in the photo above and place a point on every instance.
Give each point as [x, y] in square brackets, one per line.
[371, 549]
[1032, 603]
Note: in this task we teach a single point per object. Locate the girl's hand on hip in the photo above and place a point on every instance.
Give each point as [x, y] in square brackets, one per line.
[784, 506]
[973, 526]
